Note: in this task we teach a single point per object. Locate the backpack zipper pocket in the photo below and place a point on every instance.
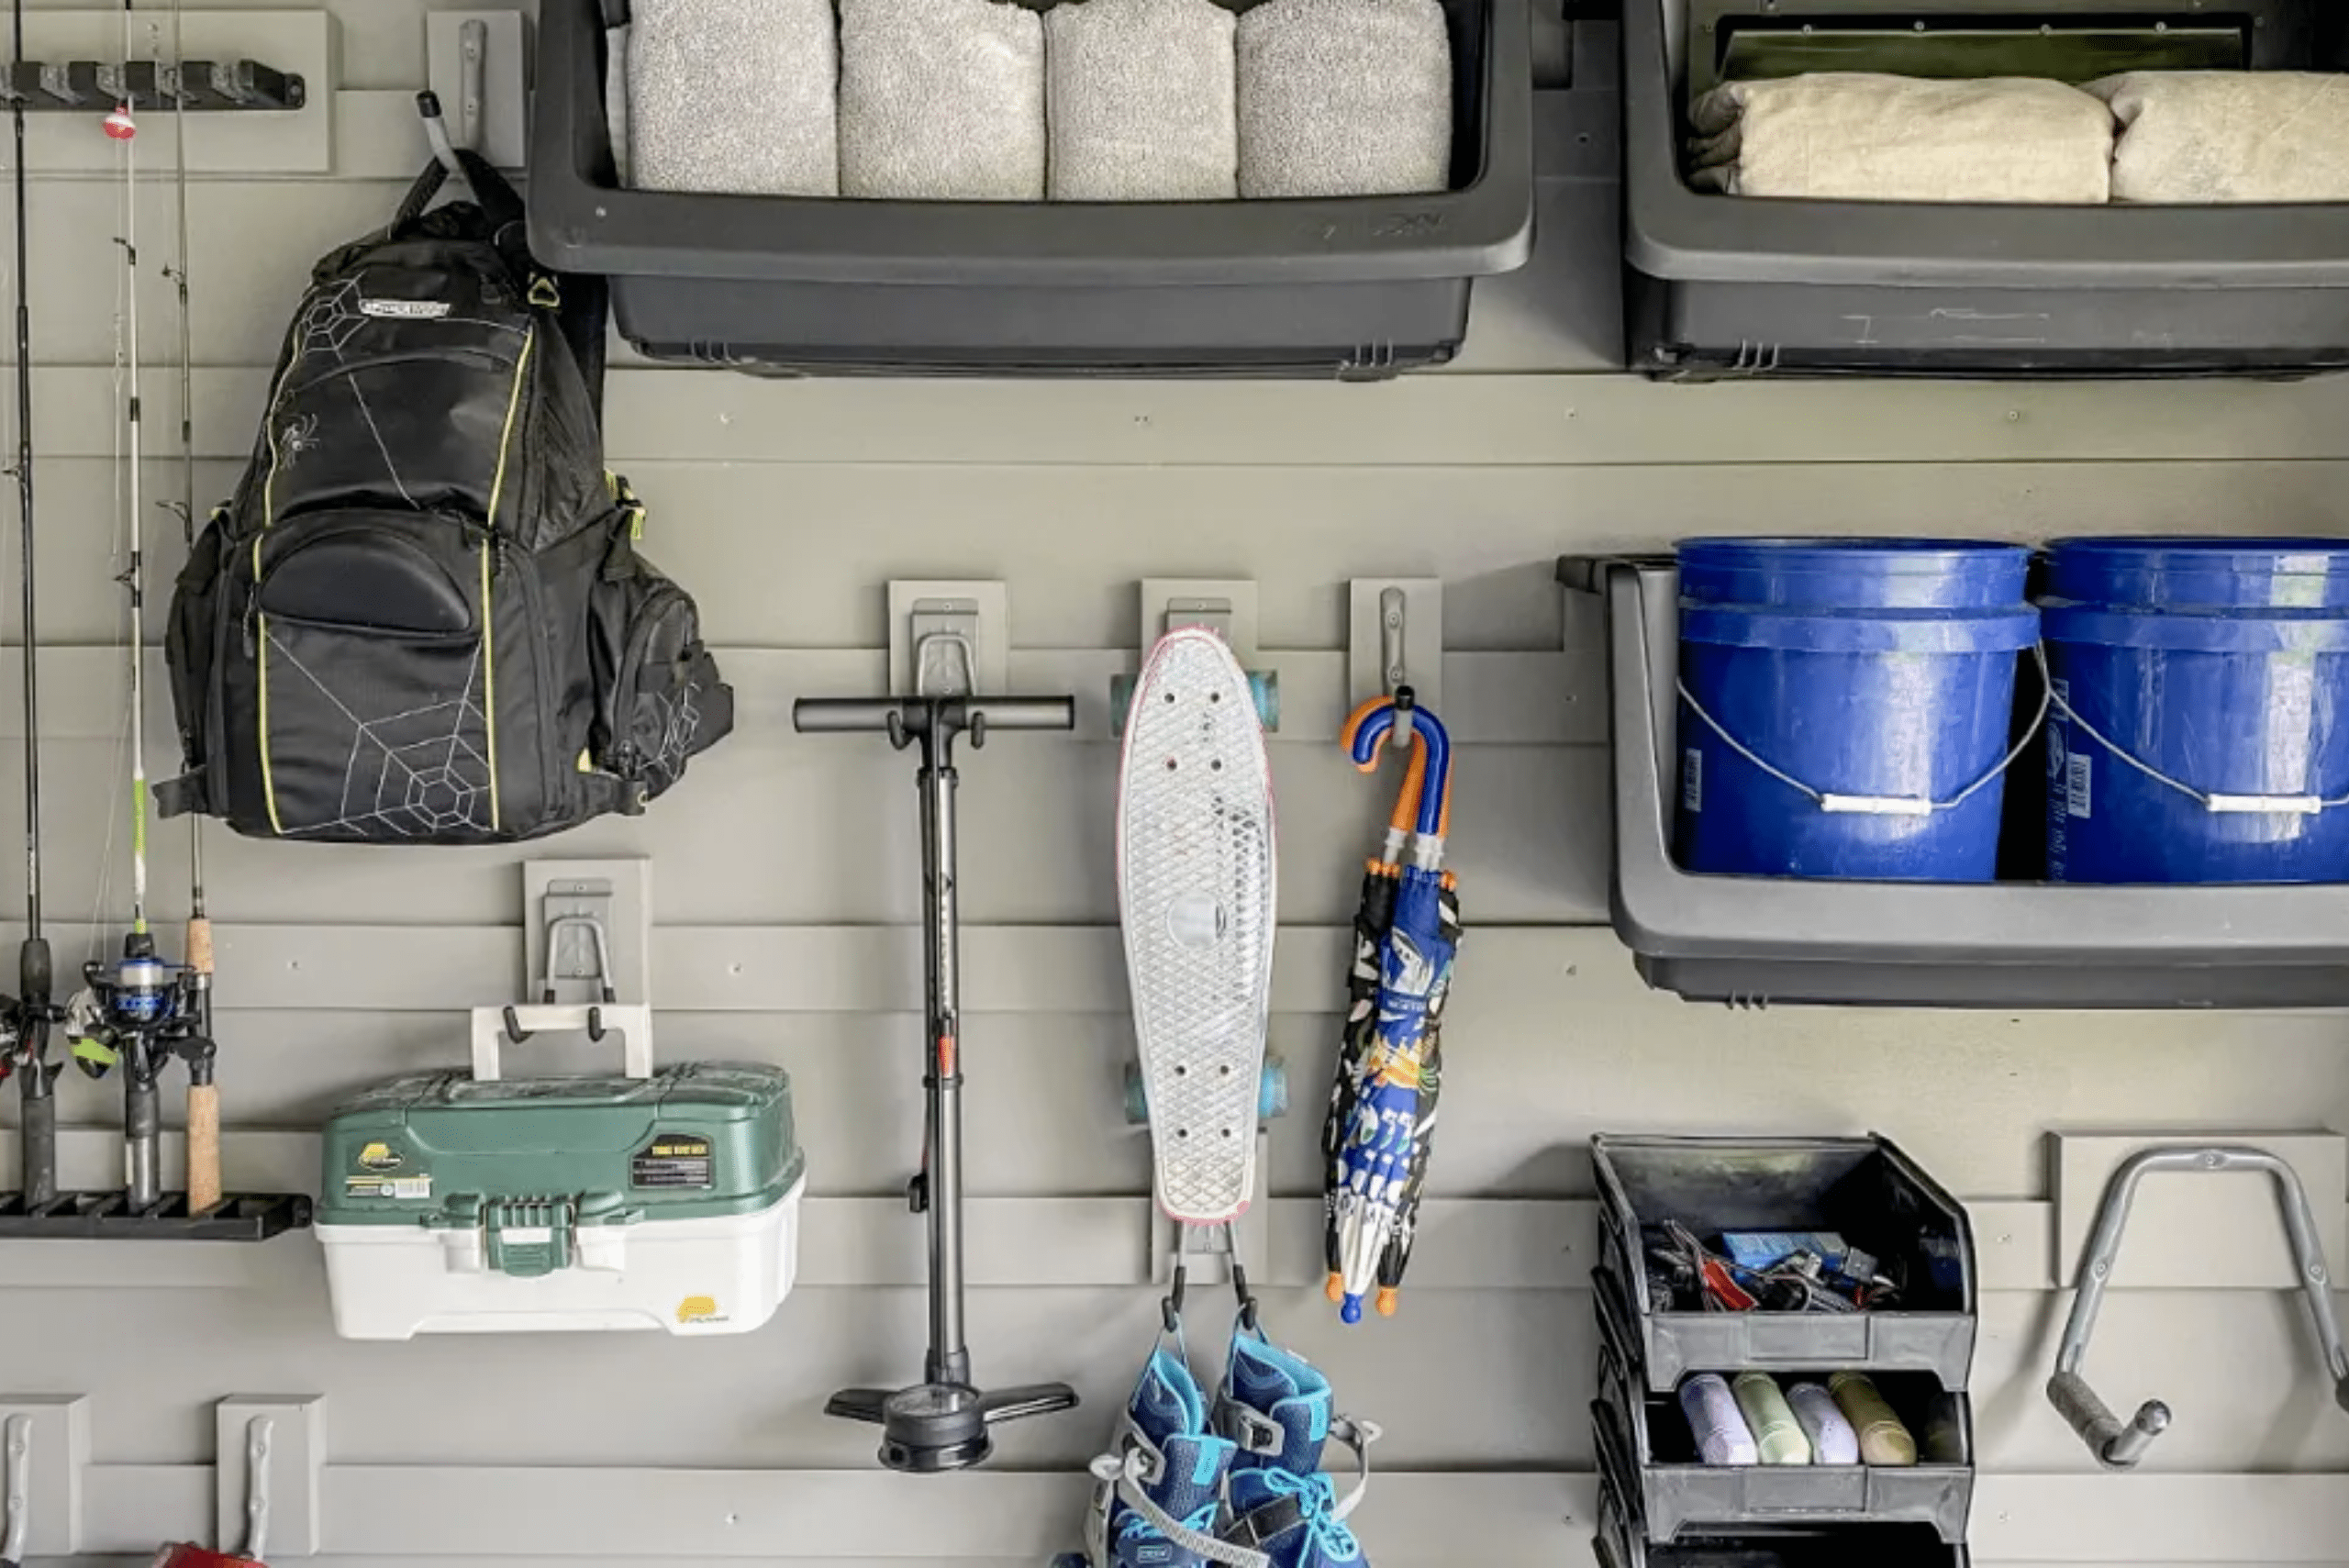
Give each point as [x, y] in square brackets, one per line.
[372, 680]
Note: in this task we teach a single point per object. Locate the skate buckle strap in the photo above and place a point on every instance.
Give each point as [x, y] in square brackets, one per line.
[1255, 1432]
[1358, 1436]
[1125, 1471]
[1147, 1459]
[1308, 1500]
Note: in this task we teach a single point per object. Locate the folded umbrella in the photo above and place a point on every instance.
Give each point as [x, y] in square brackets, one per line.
[1384, 1100]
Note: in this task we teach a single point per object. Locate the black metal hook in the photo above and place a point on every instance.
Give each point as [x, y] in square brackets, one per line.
[1247, 1298]
[1170, 1310]
[513, 1030]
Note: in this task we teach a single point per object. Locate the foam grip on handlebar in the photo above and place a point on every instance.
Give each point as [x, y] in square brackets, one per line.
[2089, 1415]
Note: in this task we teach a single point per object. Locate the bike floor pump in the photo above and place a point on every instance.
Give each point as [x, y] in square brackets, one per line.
[945, 1422]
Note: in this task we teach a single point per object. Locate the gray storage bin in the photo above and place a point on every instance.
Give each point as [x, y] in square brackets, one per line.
[1727, 285]
[1622, 1542]
[1646, 1438]
[1755, 941]
[1356, 287]
[1863, 1187]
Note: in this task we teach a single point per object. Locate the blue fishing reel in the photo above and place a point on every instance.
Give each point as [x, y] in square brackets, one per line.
[139, 1000]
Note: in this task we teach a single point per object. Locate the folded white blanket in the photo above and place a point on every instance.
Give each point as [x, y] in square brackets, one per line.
[1344, 98]
[942, 100]
[2229, 136]
[1141, 101]
[1842, 136]
[730, 95]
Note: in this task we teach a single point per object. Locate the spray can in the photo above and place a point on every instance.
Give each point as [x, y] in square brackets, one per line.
[1722, 1437]
[1882, 1440]
[1777, 1436]
[1832, 1441]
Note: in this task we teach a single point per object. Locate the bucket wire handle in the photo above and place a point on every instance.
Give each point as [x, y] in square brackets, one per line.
[2299, 805]
[1884, 805]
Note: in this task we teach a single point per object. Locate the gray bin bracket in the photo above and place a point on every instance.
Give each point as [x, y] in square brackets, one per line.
[2117, 1445]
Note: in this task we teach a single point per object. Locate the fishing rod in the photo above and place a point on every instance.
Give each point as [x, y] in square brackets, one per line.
[138, 1011]
[33, 1011]
[203, 1096]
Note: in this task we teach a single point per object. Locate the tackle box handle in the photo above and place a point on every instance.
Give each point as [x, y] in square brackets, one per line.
[496, 1027]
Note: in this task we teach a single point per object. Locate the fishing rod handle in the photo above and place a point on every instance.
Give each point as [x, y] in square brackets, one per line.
[203, 1147]
[39, 1144]
[846, 716]
[199, 944]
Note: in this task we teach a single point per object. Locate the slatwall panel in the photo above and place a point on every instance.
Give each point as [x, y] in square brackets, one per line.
[786, 900]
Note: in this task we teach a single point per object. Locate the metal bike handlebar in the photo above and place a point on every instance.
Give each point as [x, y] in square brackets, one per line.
[843, 716]
[2118, 1445]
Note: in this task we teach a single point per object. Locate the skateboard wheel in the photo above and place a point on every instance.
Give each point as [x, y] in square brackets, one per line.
[1267, 686]
[1271, 1095]
[1263, 684]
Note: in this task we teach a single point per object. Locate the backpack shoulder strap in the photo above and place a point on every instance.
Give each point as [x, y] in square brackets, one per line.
[491, 194]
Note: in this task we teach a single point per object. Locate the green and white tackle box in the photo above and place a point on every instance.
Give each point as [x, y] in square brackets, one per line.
[458, 1202]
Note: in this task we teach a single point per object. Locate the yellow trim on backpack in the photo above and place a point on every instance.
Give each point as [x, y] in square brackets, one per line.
[488, 608]
[260, 641]
[489, 682]
[261, 666]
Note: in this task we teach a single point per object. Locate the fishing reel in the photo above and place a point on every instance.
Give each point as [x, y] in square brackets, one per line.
[140, 1006]
[26, 1020]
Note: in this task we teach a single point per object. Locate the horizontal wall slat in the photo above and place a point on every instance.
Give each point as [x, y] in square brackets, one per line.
[1491, 698]
[1022, 1242]
[1073, 541]
[697, 415]
[516, 1515]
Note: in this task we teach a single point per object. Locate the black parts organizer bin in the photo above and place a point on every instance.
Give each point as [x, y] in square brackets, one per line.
[1360, 288]
[1865, 1189]
[1623, 1542]
[1729, 286]
[1756, 940]
[1646, 1443]
[1659, 1506]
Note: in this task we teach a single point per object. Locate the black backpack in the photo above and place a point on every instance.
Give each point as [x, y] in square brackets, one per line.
[423, 620]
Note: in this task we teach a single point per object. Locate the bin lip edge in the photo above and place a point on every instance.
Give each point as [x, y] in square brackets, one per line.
[1485, 227]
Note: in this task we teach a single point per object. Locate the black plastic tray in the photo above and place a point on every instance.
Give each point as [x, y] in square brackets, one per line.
[1864, 1187]
[1622, 1542]
[1646, 1439]
[108, 1217]
[1755, 940]
[1363, 286]
[1726, 285]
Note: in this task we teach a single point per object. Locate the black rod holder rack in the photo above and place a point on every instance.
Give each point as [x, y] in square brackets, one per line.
[108, 1217]
[83, 86]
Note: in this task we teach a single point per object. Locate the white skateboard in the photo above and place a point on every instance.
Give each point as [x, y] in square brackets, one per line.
[1196, 880]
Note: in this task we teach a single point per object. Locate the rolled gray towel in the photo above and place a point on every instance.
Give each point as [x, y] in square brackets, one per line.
[942, 100]
[1344, 98]
[2229, 136]
[616, 99]
[1851, 136]
[732, 96]
[1141, 100]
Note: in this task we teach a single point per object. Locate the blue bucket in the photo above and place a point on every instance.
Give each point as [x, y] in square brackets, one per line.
[2201, 731]
[1847, 706]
